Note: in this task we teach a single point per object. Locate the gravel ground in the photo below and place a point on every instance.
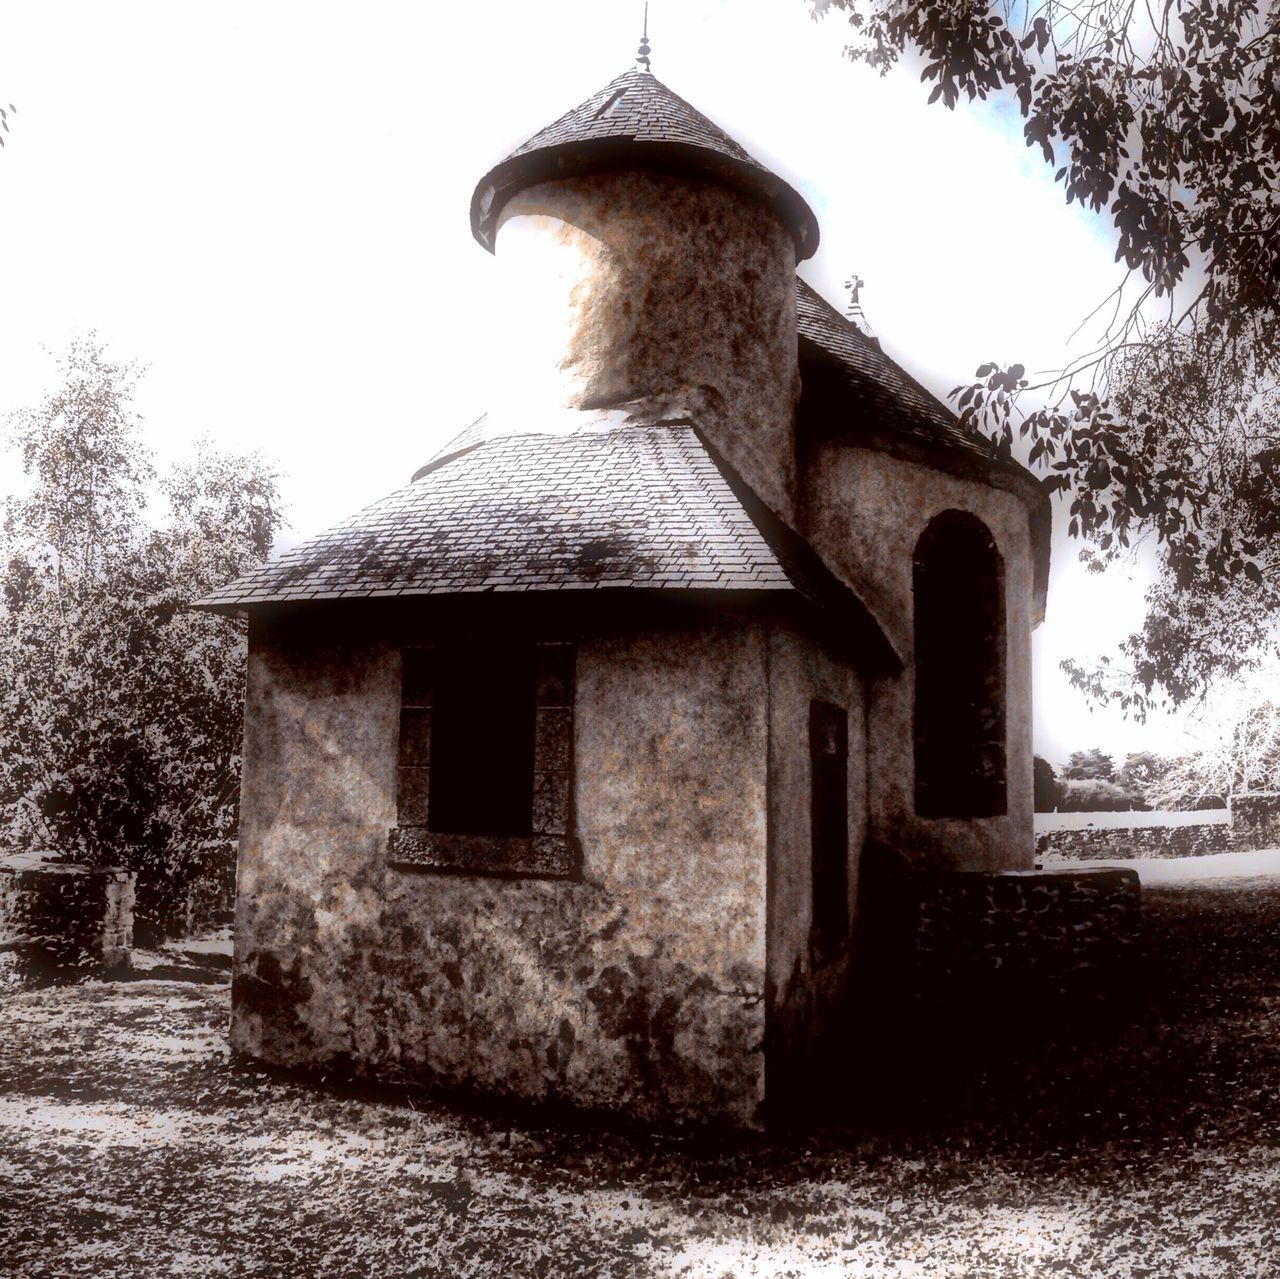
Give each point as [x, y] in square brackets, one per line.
[132, 1144]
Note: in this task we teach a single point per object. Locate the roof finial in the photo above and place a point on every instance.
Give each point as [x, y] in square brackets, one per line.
[642, 53]
[855, 284]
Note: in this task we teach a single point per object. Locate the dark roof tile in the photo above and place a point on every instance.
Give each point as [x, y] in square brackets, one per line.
[634, 506]
[636, 120]
[591, 509]
[900, 400]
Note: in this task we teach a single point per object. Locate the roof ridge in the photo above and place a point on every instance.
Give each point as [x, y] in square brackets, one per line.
[801, 562]
[572, 111]
[705, 473]
[470, 437]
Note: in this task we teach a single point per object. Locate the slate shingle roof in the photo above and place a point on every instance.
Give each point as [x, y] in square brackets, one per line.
[465, 440]
[905, 419]
[635, 121]
[901, 402]
[636, 106]
[636, 506]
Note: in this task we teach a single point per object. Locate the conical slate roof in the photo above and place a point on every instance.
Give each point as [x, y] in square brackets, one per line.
[635, 122]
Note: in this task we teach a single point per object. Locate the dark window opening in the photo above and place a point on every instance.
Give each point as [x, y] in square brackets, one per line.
[960, 759]
[486, 759]
[829, 806]
[482, 727]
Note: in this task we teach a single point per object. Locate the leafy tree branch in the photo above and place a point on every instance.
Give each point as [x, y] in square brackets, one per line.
[120, 708]
[1168, 118]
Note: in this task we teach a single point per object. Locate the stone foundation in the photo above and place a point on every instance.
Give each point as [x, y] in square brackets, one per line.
[60, 916]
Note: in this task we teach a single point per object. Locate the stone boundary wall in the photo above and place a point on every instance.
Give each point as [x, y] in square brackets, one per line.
[1255, 822]
[59, 915]
[201, 894]
[970, 976]
[1252, 822]
[1102, 842]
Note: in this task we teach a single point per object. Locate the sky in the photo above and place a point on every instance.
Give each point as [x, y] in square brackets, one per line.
[267, 205]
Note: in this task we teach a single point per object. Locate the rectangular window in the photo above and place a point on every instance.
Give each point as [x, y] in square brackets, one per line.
[482, 726]
[484, 778]
[829, 809]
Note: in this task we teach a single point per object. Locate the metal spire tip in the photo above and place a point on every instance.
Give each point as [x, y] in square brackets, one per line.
[642, 54]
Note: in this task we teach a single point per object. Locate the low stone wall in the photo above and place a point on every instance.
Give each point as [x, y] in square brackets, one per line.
[56, 915]
[1252, 822]
[1198, 839]
[1024, 933]
[978, 977]
[1255, 822]
[202, 896]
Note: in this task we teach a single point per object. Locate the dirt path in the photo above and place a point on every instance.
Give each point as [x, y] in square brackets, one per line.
[130, 1144]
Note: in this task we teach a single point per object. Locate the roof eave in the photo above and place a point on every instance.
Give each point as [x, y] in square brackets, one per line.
[820, 587]
[612, 155]
[258, 605]
[993, 472]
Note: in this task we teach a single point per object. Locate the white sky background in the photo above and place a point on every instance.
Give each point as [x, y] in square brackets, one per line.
[268, 204]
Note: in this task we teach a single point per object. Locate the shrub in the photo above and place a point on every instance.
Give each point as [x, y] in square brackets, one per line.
[120, 708]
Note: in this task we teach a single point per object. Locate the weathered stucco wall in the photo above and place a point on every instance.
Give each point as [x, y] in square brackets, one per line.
[317, 799]
[865, 511]
[809, 991]
[634, 285]
[641, 987]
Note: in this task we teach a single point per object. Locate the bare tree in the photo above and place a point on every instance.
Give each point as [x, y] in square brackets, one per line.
[1237, 746]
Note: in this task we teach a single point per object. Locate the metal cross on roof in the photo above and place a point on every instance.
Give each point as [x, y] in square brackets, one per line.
[642, 53]
[854, 284]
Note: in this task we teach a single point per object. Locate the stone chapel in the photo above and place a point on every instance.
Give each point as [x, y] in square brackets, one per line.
[561, 761]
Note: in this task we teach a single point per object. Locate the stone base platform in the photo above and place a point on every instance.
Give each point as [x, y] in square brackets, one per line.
[62, 918]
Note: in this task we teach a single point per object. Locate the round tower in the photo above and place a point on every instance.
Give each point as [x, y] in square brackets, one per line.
[645, 256]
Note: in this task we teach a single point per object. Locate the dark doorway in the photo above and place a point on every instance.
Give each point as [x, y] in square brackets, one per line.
[829, 800]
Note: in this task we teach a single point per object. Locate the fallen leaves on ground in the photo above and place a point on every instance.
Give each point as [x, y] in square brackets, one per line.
[132, 1143]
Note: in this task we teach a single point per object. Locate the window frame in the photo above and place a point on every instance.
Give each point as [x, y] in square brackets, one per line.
[550, 848]
[829, 922]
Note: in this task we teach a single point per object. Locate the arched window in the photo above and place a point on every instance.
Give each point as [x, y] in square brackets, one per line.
[959, 670]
